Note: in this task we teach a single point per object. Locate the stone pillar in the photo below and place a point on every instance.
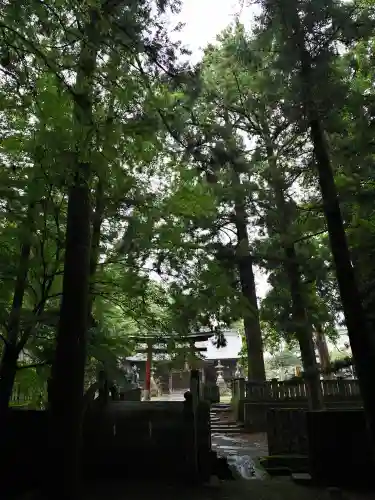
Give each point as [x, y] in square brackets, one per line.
[241, 388]
[203, 377]
[153, 386]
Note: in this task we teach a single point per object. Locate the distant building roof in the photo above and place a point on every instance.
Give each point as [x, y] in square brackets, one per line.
[230, 351]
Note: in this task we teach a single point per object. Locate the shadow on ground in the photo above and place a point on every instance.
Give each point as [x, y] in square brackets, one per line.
[270, 489]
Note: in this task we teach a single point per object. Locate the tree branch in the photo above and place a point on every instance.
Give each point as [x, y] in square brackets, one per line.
[308, 236]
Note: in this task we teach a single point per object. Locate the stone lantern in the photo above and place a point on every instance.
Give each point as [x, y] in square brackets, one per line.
[219, 378]
[238, 372]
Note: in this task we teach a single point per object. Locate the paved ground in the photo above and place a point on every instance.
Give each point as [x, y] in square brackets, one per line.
[241, 450]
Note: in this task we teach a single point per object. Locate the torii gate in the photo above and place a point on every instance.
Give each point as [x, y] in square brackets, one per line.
[153, 343]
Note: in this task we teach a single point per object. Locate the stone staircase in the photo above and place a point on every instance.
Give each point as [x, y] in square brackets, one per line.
[221, 423]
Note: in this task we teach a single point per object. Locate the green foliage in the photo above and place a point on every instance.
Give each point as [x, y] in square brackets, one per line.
[30, 387]
[180, 157]
[284, 359]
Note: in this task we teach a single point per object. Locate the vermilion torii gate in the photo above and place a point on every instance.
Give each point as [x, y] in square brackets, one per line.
[151, 344]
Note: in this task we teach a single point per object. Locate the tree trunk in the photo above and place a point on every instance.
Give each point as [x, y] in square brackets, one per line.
[97, 221]
[302, 325]
[8, 370]
[67, 374]
[98, 216]
[253, 333]
[8, 365]
[303, 330]
[361, 340]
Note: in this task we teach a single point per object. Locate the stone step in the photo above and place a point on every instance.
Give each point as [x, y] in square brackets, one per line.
[224, 422]
[219, 427]
[302, 478]
[227, 431]
[227, 426]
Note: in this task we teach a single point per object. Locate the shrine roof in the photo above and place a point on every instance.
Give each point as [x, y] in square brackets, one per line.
[230, 351]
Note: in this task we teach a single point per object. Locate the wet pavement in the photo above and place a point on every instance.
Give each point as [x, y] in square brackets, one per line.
[242, 453]
[241, 450]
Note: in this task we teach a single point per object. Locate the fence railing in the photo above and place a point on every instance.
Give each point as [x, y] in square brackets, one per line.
[273, 391]
[21, 397]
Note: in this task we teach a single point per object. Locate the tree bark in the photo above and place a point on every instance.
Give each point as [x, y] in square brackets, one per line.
[253, 333]
[361, 339]
[8, 364]
[97, 222]
[98, 217]
[303, 328]
[8, 370]
[67, 374]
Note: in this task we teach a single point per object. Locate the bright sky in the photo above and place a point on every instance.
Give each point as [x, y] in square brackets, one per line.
[205, 19]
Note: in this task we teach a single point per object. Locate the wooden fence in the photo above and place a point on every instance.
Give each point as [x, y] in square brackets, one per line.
[30, 398]
[252, 400]
[338, 389]
[289, 391]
